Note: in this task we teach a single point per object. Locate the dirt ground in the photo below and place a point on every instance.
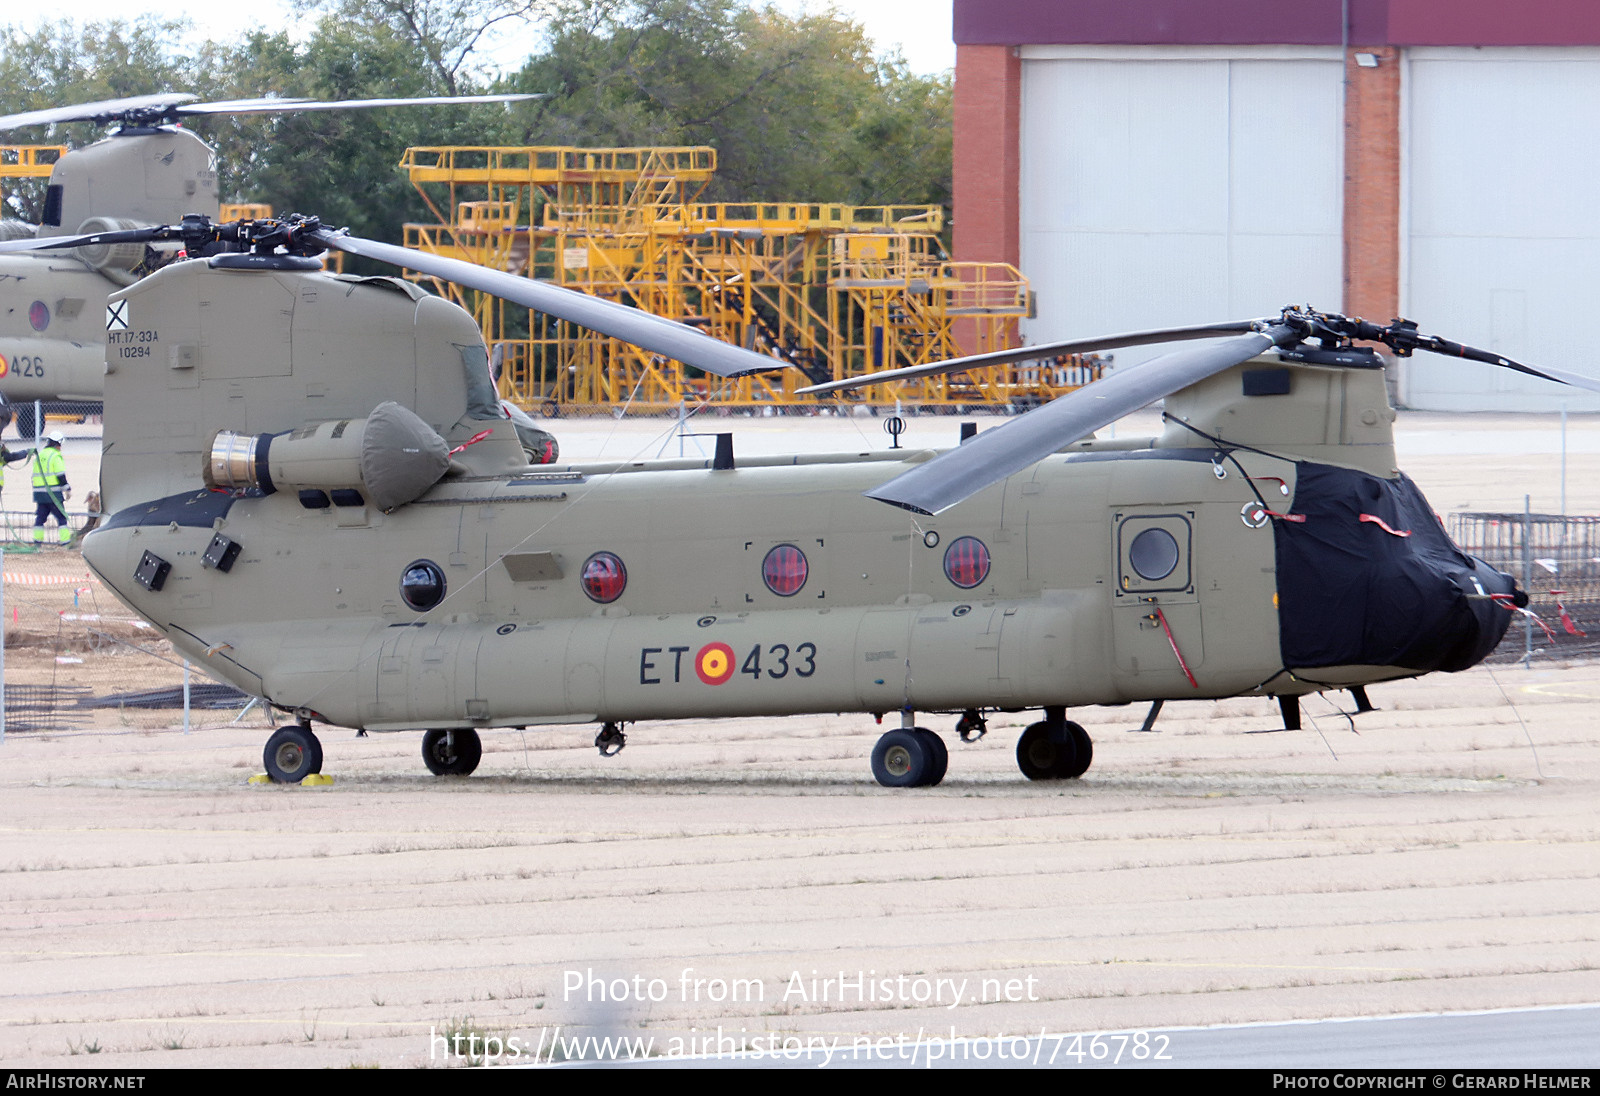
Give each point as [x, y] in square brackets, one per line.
[739, 878]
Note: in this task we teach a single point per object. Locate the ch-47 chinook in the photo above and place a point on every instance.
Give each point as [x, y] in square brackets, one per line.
[312, 496]
[149, 171]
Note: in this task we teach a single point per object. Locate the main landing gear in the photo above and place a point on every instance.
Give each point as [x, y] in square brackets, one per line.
[292, 754]
[451, 753]
[1054, 748]
[912, 757]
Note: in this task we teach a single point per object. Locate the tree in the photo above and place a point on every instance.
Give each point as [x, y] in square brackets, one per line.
[448, 34]
[796, 106]
[62, 63]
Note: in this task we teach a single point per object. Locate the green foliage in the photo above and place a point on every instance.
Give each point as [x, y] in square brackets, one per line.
[446, 33]
[61, 63]
[797, 107]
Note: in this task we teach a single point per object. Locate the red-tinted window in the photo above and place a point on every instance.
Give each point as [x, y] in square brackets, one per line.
[604, 577]
[966, 562]
[784, 570]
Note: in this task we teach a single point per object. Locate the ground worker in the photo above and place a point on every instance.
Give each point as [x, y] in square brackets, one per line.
[50, 488]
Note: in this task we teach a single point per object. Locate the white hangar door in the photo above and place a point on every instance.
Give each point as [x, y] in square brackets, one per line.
[1175, 185]
[1502, 216]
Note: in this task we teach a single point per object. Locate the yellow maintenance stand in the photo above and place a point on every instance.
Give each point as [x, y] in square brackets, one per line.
[27, 162]
[830, 291]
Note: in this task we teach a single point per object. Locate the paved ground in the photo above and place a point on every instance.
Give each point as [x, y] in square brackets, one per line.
[157, 911]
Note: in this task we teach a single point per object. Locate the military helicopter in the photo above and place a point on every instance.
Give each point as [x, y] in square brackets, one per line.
[148, 171]
[312, 496]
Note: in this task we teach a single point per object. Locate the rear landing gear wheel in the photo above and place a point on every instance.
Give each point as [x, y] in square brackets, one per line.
[27, 422]
[941, 756]
[904, 759]
[1048, 751]
[292, 754]
[451, 753]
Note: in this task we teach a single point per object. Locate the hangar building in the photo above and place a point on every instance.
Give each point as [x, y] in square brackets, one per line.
[1158, 162]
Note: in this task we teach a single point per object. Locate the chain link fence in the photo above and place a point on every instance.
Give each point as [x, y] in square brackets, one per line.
[78, 660]
[1556, 558]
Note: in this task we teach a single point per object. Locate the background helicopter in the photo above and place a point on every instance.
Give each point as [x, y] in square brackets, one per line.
[311, 497]
[148, 171]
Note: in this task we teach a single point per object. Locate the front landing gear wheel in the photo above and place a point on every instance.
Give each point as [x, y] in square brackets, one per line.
[1083, 752]
[451, 753]
[906, 759]
[292, 754]
[1048, 751]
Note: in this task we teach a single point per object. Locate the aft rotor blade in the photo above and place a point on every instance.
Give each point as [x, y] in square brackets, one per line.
[273, 105]
[656, 334]
[1032, 353]
[104, 110]
[990, 457]
[63, 243]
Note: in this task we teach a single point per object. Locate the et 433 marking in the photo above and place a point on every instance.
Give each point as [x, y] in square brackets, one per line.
[716, 663]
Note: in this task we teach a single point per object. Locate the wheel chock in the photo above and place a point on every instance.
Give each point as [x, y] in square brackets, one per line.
[317, 780]
[259, 778]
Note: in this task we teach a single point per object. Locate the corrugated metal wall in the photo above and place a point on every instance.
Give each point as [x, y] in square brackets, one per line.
[1502, 215]
[1175, 185]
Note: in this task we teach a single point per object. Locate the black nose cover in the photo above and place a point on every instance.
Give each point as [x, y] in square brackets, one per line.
[1371, 578]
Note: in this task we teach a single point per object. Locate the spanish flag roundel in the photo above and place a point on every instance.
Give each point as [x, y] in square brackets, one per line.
[714, 663]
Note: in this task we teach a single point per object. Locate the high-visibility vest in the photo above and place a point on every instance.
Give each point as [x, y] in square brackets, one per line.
[49, 469]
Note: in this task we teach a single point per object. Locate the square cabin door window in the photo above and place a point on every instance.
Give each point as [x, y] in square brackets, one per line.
[1153, 554]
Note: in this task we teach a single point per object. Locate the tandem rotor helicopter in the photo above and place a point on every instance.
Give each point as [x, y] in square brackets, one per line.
[148, 171]
[311, 495]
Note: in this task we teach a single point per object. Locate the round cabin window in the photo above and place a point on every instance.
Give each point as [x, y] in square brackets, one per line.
[785, 570]
[604, 577]
[966, 562]
[1153, 554]
[422, 585]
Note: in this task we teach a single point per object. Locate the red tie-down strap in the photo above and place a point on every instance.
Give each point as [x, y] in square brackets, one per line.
[474, 440]
[1258, 513]
[1505, 602]
[1162, 617]
[1566, 618]
[1381, 524]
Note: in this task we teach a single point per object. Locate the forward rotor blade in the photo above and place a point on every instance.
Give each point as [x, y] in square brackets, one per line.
[992, 456]
[272, 105]
[661, 336]
[1031, 353]
[1488, 357]
[91, 112]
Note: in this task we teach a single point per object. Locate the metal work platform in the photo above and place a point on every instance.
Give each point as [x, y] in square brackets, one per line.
[828, 290]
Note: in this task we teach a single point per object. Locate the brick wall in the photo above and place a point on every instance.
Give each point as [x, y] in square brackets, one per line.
[1372, 185]
[987, 166]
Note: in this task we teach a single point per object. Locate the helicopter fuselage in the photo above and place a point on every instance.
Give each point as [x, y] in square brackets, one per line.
[1264, 544]
[54, 333]
[52, 328]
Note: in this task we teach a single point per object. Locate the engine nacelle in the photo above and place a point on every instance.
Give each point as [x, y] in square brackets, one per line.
[391, 457]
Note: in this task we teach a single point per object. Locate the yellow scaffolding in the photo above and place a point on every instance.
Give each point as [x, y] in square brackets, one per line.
[829, 291]
[27, 162]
